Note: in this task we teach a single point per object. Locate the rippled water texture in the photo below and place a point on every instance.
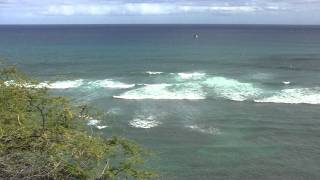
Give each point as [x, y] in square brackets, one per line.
[238, 102]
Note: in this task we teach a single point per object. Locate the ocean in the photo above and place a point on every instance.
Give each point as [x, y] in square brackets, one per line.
[210, 101]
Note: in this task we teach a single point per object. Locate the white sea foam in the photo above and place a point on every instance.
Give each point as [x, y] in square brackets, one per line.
[286, 82]
[295, 96]
[27, 85]
[93, 122]
[65, 84]
[96, 123]
[55, 85]
[194, 75]
[232, 89]
[10, 83]
[207, 130]
[165, 91]
[101, 127]
[41, 85]
[193, 88]
[13, 83]
[109, 83]
[144, 122]
[153, 72]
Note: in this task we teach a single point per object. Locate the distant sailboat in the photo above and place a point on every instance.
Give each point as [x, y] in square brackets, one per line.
[196, 36]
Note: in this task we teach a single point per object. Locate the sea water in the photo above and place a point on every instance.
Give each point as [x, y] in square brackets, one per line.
[238, 102]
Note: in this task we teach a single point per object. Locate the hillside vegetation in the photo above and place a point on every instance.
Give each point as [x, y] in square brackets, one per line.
[44, 137]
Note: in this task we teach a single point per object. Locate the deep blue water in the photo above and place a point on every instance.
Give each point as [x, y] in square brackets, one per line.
[238, 102]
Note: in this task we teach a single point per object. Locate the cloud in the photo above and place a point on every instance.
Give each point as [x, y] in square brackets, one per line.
[163, 11]
[142, 9]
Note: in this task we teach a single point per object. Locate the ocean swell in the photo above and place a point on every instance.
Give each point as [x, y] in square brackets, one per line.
[190, 86]
[165, 91]
[294, 96]
[195, 86]
[232, 89]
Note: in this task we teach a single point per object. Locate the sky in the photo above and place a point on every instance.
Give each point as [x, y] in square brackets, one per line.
[160, 12]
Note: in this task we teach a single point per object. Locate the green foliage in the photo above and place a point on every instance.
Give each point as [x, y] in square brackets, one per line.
[40, 138]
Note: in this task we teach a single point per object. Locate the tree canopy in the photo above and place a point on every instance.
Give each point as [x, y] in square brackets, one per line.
[43, 137]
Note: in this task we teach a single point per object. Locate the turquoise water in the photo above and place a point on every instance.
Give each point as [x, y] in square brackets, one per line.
[238, 102]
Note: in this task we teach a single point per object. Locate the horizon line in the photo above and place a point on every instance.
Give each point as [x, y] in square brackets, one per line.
[71, 24]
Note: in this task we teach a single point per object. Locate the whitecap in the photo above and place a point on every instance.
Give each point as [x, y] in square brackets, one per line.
[208, 130]
[294, 96]
[165, 91]
[101, 127]
[10, 83]
[193, 90]
[109, 83]
[13, 83]
[286, 82]
[153, 72]
[27, 85]
[41, 85]
[55, 85]
[65, 84]
[93, 122]
[144, 122]
[194, 75]
[232, 89]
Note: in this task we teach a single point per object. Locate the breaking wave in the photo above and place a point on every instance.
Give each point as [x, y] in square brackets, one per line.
[153, 72]
[64, 84]
[191, 86]
[67, 84]
[195, 86]
[232, 89]
[109, 83]
[194, 75]
[165, 91]
[54, 85]
[294, 96]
